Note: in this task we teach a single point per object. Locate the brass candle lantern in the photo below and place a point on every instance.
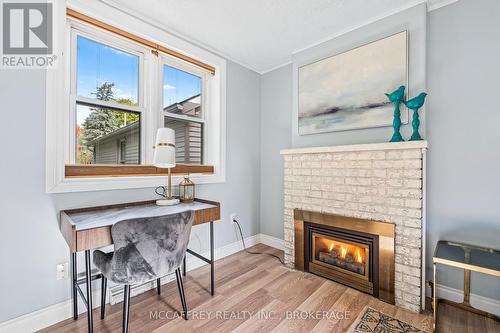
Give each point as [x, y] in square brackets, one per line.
[186, 190]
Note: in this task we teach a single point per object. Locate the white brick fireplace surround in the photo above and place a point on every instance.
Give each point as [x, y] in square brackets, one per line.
[381, 182]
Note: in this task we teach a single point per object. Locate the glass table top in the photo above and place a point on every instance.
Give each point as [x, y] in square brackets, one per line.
[468, 254]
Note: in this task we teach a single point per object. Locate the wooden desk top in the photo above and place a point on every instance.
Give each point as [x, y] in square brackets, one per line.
[90, 228]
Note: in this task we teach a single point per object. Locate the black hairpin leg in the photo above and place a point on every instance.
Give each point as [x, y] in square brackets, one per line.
[74, 291]
[212, 259]
[126, 308]
[103, 295]
[184, 266]
[180, 286]
[88, 281]
[158, 286]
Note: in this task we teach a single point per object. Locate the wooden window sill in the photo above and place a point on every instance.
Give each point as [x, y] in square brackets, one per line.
[124, 170]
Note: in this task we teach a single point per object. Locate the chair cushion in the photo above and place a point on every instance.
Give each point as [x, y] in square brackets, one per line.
[146, 248]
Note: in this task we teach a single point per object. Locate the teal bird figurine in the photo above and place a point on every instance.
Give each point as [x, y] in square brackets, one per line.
[397, 97]
[414, 104]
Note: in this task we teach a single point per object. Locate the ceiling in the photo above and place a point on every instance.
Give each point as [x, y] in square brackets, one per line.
[263, 34]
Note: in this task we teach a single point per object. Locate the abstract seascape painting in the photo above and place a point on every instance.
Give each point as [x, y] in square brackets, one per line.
[346, 91]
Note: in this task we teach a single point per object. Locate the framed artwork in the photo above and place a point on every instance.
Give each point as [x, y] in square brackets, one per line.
[346, 91]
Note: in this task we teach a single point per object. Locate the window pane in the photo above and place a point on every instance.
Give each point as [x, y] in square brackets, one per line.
[106, 73]
[181, 92]
[107, 136]
[188, 140]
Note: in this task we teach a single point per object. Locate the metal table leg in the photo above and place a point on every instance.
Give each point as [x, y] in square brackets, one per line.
[184, 266]
[466, 301]
[212, 259]
[88, 280]
[74, 291]
[434, 299]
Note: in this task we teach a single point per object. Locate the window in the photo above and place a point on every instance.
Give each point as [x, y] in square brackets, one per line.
[183, 98]
[110, 95]
[107, 104]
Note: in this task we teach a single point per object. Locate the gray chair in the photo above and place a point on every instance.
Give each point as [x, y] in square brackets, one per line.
[145, 249]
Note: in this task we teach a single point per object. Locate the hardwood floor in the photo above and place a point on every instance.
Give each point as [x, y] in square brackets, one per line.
[248, 285]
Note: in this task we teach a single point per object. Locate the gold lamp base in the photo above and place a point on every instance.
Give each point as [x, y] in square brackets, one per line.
[169, 200]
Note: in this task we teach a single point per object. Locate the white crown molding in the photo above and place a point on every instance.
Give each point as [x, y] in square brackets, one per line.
[53, 314]
[167, 29]
[433, 5]
[360, 25]
[276, 67]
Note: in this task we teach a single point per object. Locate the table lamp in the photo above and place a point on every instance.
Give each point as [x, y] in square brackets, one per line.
[164, 157]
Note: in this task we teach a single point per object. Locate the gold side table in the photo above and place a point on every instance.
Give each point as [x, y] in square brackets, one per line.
[469, 258]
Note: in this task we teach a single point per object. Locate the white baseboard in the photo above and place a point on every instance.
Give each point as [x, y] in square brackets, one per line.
[53, 314]
[480, 302]
[271, 241]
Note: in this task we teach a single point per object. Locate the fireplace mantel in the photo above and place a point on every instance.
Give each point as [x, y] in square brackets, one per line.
[358, 147]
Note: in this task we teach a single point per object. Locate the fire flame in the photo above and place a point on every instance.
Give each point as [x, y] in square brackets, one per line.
[343, 252]
[359, 258]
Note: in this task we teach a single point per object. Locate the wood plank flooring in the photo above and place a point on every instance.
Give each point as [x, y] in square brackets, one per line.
[254, 293]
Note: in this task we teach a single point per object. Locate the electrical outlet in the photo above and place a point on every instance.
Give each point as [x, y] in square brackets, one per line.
[62, 271]
[233, 217]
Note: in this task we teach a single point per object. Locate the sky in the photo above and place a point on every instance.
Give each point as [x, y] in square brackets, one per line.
[98, 63]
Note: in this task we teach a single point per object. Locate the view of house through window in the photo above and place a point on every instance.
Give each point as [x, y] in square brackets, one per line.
[109, 110]
[182, 107]
[107, 83]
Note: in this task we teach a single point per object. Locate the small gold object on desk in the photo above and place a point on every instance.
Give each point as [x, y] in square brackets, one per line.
[469, 258]
[186, 190]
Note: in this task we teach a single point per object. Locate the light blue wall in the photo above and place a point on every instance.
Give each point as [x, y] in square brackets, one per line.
[414, 21]
[462, 126]
[31, 244]
[276, 105]
[463, 129]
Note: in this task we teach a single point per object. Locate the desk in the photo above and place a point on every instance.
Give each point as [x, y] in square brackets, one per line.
[85, 229]
[469, 258]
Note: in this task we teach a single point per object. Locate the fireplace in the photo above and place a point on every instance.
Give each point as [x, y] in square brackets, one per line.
[355, 252]
[346, 256]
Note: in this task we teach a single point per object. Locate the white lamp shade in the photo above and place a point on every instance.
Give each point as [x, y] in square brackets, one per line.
[164, 154]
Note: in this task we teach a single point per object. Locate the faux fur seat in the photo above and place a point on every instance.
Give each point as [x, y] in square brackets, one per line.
[146, 249]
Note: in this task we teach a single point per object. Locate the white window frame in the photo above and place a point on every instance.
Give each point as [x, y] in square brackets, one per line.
[59, 101]
[206, 109]
[97, 35]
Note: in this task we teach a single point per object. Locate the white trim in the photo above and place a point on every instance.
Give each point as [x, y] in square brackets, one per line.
[271, 241]
[48, 316]
[357, 26]
[433, 5]
[361, 147]
[57, 116]
[276, 67]
[480, 302]
[108, 104]
[53, 314]
[177, 34]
